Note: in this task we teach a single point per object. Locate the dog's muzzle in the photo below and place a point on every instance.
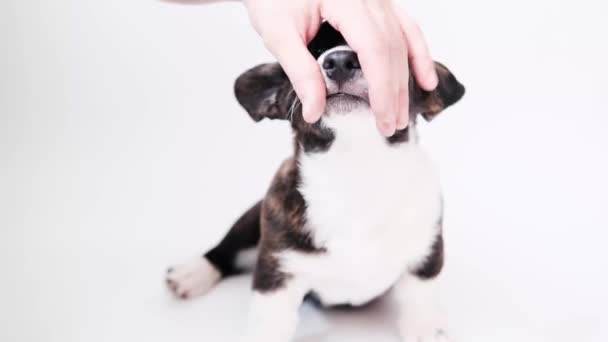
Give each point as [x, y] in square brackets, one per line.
[343, 75]
[341, 66]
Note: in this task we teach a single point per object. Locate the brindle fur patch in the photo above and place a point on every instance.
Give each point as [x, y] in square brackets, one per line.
[283, 227]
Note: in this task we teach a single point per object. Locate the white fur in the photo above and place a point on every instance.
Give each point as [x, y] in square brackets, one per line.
[193, 278]
[373, 207]
[422, 317]
[273, 316]
[334, 49]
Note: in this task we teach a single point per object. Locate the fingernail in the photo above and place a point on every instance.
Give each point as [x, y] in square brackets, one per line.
[387, 128]
[404, 118]
[308, 113]
[402, 123]
[311, 110]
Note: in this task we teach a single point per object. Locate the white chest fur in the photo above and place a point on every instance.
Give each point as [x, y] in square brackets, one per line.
[372, 206]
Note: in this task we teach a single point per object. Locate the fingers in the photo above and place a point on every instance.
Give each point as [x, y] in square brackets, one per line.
[399, 56]
[383, 36]
[404, 101]
[354, 20]
[423, 65]
[390, 25]
[302, 69]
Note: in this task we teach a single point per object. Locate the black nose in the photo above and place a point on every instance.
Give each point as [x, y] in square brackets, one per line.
[341, 66]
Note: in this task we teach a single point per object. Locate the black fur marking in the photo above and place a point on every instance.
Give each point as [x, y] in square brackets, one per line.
[450, 90]
[400, 136]
[264, 92]
[434, 262]
[315, 138]
[430, 104]
[244, 234]
[326, 38]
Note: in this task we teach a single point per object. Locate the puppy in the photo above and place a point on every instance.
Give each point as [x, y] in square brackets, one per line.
[349, 216]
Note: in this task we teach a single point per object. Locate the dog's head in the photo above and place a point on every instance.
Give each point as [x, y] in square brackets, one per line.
[265, 91]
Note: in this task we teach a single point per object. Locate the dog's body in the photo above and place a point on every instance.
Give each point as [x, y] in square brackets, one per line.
[370, 231]
[351, 215]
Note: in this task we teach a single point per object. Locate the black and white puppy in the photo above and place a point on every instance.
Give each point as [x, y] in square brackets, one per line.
[349, 216]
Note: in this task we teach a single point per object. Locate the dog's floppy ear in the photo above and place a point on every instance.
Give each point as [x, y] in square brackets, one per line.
[429, 104]
[264, 91]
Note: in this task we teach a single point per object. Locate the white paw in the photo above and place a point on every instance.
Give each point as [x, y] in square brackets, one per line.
[416, 330]
[193, 278]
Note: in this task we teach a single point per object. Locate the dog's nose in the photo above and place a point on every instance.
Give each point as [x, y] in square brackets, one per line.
[341, 66]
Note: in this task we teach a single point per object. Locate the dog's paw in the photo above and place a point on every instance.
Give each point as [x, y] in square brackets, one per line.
[193, 278]
[416, 330]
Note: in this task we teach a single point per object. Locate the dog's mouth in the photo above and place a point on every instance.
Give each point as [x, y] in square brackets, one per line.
[343, 96]
[342, 102]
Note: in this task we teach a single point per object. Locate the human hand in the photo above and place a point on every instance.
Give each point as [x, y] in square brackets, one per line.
[382, 35]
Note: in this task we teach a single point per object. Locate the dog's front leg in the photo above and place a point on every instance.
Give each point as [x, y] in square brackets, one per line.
[273, 314]
[421, 314]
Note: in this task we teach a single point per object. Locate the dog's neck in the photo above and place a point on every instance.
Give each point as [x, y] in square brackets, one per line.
[355, 129]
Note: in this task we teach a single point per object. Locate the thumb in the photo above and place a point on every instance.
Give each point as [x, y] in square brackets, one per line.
[303, 72]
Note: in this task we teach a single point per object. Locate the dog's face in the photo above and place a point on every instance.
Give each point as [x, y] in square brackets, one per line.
[265, 91]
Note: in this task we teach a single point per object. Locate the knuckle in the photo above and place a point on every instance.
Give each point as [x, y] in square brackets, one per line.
[379, 46]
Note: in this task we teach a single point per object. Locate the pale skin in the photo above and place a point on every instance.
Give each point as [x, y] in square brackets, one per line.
[381, 33]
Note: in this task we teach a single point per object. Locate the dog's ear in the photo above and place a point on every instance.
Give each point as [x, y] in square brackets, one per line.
[264, 91]
[430, 103]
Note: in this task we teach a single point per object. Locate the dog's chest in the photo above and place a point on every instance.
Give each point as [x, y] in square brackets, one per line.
[373, 208]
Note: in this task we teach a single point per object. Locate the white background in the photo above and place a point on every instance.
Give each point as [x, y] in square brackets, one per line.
[122, 151]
